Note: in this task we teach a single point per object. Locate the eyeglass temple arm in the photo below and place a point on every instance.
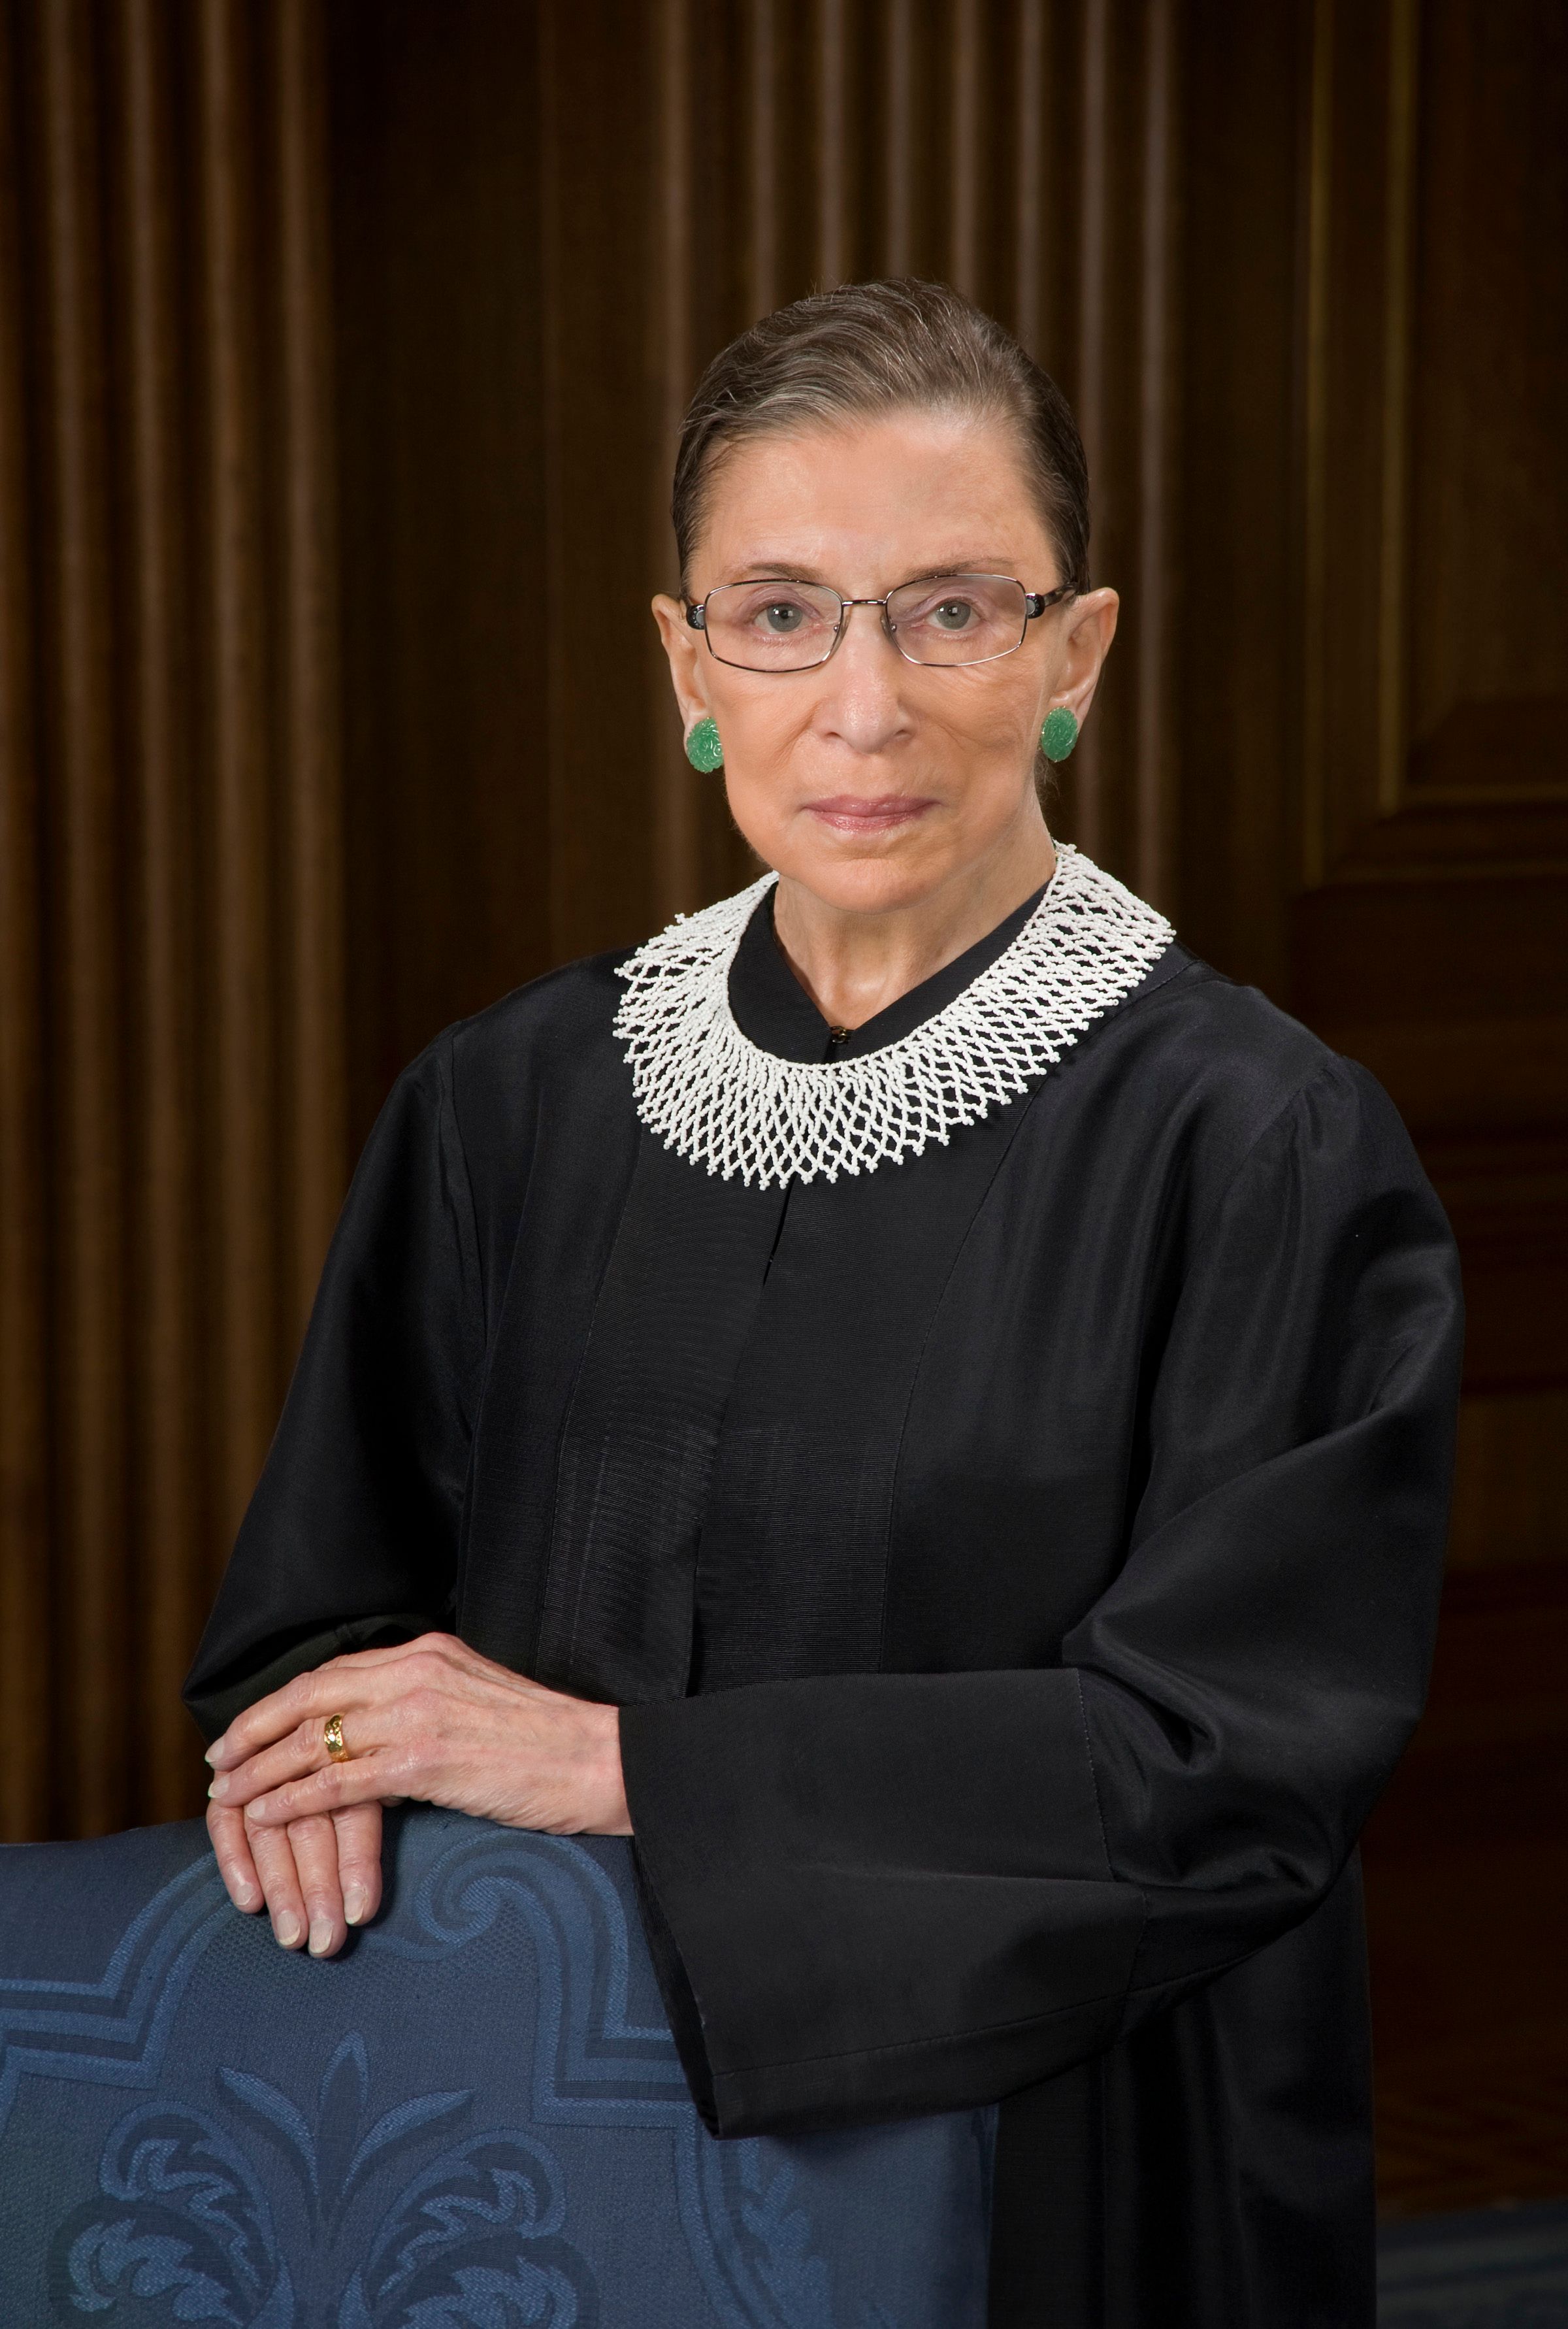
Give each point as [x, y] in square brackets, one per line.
[1036, 601]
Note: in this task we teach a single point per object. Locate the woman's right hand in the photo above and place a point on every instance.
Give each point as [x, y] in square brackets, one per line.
[315, 1877]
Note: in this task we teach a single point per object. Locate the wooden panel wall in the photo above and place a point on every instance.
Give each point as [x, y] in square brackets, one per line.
[1429, 938]
[1373, 662]
[1431, 934]
[1375, 472]
[171, 1143]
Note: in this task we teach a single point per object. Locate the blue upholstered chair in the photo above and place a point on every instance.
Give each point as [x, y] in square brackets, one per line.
[474, 2116]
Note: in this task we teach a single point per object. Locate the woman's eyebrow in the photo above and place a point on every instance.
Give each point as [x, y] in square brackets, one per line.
[785, 569]
[779, 570]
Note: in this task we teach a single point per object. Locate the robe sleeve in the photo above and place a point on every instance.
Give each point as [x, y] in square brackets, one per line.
[878, 1894]
[351, 1536]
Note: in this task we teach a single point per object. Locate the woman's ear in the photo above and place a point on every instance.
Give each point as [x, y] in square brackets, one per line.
[1089, 627]
[680, 646]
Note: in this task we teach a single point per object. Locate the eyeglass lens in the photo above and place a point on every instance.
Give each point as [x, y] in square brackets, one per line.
[950, 618]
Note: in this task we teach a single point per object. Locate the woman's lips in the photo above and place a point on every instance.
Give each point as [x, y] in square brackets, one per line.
[849, 813]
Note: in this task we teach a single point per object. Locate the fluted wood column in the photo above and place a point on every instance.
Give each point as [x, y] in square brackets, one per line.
[526, 234]
[171, 1071]
[85, 1005]
[24, 1624]
[677, 799]
[157, 757]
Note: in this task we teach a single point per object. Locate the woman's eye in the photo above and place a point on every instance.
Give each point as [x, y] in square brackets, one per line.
[782, 618]
[952, 614]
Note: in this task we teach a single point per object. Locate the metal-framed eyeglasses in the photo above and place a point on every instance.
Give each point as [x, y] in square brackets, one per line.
[777, 624]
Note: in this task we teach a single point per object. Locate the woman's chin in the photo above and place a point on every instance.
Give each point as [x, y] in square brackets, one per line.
[869, 877]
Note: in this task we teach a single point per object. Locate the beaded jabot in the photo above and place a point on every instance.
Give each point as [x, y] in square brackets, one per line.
[715, 1097]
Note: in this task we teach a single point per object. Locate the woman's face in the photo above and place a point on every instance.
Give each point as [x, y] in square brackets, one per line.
[872, 781]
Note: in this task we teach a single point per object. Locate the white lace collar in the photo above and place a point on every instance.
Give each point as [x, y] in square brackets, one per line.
[714, 1096]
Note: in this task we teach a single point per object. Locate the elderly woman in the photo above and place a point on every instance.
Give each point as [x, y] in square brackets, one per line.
[907, 1394]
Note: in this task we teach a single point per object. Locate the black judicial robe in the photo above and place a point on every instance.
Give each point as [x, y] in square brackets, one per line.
[1018, 1567]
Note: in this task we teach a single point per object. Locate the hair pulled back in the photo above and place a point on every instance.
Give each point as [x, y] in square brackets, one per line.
[879, 347]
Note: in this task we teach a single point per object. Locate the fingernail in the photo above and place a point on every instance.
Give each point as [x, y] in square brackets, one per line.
[356, 1901]
[287, 1929]
[216, 1748]
[243, 1895]
[320, 1937]
[219, 1789]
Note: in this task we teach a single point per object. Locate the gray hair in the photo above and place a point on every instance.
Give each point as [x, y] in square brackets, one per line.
[883, 347]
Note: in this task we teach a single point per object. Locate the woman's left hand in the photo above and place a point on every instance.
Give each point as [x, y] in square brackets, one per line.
[433, 1720]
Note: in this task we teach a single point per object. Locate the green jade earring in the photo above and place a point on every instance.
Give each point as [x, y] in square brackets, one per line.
[1060, 732]
[703, 749]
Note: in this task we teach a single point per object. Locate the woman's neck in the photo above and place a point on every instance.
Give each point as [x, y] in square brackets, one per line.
[854, 965]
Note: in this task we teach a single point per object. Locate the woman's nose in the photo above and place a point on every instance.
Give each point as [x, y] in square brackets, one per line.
[863, 696]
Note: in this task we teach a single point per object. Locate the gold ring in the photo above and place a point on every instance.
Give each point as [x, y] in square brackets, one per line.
[332, 1739]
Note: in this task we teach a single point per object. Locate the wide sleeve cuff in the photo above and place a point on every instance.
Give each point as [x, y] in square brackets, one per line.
[878, 1895]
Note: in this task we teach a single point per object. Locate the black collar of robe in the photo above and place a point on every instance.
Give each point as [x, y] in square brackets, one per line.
[772, 1008]
[1016, 1567]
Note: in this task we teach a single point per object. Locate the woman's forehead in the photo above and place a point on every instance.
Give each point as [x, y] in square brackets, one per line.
[950, 490]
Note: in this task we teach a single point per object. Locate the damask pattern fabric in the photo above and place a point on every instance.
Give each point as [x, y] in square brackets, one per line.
[473, 2119]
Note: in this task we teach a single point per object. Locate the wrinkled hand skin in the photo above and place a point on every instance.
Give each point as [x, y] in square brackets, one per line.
[301, 1834]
